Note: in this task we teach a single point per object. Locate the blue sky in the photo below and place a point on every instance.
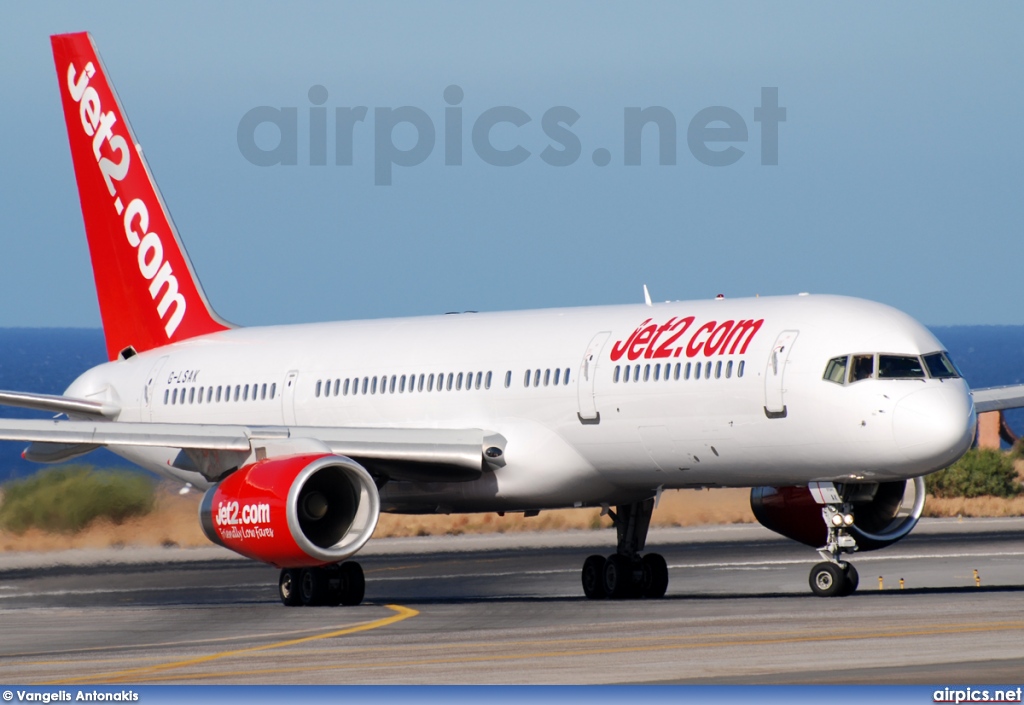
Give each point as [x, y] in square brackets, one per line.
[899, 173]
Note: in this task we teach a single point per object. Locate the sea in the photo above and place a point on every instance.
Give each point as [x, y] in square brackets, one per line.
[47, 360]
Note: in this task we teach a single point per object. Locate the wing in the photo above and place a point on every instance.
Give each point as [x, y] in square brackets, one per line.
[438, 455]
[998, 398]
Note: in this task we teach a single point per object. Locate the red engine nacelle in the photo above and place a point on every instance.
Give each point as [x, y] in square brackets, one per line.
[292, 512]
[883, 512]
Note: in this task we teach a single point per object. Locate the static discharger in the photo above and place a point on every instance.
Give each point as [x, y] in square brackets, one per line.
[977, 578]
[881, 584]
[901, 583]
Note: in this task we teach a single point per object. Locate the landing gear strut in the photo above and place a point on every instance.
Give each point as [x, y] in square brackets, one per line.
[341, 584]
[626, 574]
[835, 577]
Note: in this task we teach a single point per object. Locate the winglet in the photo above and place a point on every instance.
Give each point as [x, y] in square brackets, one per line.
[148, 293]
[647, 296]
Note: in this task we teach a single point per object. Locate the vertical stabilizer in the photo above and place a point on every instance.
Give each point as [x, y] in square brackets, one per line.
[148, 293]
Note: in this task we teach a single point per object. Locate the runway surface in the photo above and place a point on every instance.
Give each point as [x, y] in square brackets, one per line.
[509, 609]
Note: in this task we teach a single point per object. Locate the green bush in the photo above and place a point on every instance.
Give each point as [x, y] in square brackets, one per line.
[66, 499]
[981, 472]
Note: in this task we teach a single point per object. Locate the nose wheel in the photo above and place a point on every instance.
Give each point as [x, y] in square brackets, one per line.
[833, 579]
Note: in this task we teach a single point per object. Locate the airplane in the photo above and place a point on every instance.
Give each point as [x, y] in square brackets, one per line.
[831, 408]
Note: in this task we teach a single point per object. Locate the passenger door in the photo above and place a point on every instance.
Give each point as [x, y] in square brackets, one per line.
[775, 373]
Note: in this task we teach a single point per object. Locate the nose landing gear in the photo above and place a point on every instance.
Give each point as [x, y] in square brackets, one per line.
[626, 574]
[835, 577]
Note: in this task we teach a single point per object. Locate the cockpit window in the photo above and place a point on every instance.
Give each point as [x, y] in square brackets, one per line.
[862, 367]
[940, 366]
[835, 371]
[900, 367]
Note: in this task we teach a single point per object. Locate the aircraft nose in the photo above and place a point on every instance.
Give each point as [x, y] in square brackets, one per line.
[935, 426]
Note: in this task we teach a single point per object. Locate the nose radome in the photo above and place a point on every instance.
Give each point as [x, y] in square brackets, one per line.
[935, 426]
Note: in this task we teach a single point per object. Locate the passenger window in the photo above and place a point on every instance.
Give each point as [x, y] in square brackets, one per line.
[487, 380]
[707, 370]
[218, 393]
[615, 375]
[940, 366]
[526, 379]
[419, 385]
[835, 370]
[625, 375]
[688, 370]
[508, 379]
[238, 392]
[696, 371]
[273, 389]
[558, 374]
[862, 367]
[479, 377]
[678, 368]
[718, 370]
[458, 382]
[167, 396]
[739, 370]
[263, 389]
[636, 373]
[337, 388]
[565, 377]
[391, 384]
[728, 369]
[547, 377]
[199, 398]
[900, 367]
[536, 378]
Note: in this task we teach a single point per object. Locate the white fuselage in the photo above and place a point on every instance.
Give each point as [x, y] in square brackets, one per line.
[598, 439]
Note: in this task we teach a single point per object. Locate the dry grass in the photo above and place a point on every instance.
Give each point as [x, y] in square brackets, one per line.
[974, 507]
[175, 523]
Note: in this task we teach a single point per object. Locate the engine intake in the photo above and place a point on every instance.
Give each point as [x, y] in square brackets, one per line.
[883, 512]
[295, 511]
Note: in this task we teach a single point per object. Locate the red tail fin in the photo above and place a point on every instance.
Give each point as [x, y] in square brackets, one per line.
[149, 296]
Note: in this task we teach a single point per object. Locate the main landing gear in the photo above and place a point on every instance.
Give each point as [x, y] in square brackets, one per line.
[626, 574]
[835, 577]
[339, 584]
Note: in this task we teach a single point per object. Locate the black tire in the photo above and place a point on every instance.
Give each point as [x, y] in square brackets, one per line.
[334, 585]
[618, 577]
[827, 580]
[288, 588]
[655, 576]
[593, 578]
[851, 579]
[353, 583]
[313, 587]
